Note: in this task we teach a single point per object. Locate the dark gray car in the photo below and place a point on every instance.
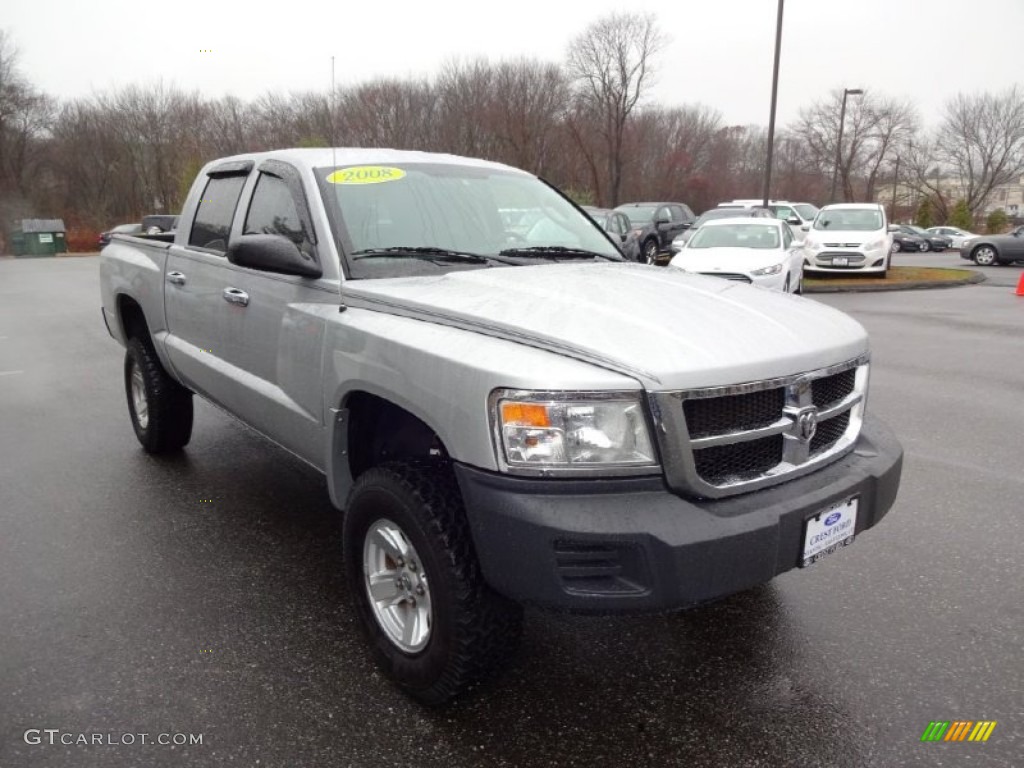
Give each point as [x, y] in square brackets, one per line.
[656, 225]
[988, 250]
[619, 229]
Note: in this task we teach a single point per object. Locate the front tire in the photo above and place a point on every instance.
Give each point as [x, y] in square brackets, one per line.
[984, 255]
[160, 408]
[434, 624]
[925, 247]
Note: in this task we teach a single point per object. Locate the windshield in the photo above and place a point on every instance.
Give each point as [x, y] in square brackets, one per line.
[806, 211]
[762, 236]
[468, 210]
[849, 220]
[639, 214]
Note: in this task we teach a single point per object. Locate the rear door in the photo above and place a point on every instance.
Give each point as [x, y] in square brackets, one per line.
[204, 330]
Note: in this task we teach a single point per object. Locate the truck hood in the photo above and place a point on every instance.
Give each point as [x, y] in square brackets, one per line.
[667, 329]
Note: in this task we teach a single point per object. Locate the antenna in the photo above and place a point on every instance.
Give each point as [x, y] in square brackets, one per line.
[331, 104]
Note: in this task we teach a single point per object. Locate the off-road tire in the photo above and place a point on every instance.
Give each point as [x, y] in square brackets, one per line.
[473, 629]
[168, 427]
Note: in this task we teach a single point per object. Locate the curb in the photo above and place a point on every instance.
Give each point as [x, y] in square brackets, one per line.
[970, 278]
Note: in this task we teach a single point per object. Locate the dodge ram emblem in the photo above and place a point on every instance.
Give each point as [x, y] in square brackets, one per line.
[807, 424]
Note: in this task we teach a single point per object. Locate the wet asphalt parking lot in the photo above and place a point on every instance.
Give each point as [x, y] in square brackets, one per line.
[202, 594]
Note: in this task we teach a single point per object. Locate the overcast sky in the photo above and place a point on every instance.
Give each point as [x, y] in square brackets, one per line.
[719, 54]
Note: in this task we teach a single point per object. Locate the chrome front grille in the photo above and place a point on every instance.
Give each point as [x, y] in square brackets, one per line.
[720, 441]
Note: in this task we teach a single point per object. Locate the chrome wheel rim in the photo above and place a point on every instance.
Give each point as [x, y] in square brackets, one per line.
[650, 253]
[985, 256]
[896, 245]
[396, 586]
[139, 402]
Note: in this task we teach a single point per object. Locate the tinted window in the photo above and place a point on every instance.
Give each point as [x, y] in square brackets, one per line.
[663, 213]
[787, 236]
[216, 209]
[677, 213]
[273, 211]
[639, 214]
[623, 223]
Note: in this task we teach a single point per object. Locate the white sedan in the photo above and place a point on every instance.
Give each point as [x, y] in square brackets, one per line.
[958, 236]
[759, 251]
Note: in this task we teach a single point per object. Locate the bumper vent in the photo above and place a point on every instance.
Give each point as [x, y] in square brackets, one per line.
[600, 569]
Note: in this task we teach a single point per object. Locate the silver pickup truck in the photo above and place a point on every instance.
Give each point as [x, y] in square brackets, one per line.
[505, 410]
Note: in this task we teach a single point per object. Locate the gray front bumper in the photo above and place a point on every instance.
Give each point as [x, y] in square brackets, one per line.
[630, 545]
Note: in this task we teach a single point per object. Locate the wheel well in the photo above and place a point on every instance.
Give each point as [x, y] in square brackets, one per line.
[133, 321]
[380, 431]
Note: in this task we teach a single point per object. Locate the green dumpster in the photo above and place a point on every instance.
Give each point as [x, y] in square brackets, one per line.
[39, 237]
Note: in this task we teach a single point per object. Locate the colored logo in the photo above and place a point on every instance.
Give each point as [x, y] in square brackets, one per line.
[958, 730]
[833, 518]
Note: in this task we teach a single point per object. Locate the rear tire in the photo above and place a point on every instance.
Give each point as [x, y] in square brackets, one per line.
[650, 251]
[160, 408]
[469, 627]
[896, 247]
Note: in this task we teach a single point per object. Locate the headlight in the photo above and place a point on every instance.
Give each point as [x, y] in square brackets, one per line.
[571, 430]
[774, 269]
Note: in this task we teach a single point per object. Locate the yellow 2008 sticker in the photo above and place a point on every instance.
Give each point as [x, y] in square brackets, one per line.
[366, 174]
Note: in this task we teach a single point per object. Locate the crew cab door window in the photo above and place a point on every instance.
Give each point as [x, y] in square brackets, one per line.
[274, 211]
[212, 224]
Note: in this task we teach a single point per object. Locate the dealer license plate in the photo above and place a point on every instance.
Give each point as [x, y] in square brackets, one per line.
[840, 261]
[829, 530]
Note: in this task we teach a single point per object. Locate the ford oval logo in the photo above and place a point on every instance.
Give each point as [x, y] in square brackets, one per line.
[833, 518]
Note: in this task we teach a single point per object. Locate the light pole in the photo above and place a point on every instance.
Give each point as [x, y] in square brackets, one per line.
[771, 117]
[839, 142]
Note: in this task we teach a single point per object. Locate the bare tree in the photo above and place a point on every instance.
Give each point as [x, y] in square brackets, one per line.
[980, 143]
[874, 131]
[611, 66]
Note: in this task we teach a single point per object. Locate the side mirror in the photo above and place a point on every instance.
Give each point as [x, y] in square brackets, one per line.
[272, 253]
[794, 221]
[806, 228]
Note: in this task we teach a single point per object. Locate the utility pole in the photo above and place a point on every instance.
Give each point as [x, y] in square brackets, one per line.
[839, 141]
[771, 117]
[895, 182]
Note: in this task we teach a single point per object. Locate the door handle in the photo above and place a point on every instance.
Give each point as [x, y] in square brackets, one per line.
[176, 278]
[235, 296]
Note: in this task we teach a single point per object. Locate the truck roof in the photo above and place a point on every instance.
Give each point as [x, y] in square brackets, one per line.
[326, 157]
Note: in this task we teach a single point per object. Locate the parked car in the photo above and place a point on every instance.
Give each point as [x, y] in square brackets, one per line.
[795, 214]
[988, 250]
[958, 236]
[159, 223]
[619, 229]
[657, 224]
[120, 229]
[764, 253]
[500, 418]
[849, 237]
[903, 240]
[726, 212]
[932, 240]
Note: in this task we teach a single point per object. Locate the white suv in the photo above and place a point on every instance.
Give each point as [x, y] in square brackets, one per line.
[849, 237]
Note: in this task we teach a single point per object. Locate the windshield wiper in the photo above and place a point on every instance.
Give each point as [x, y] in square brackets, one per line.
[554, 252]
[438, 255]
